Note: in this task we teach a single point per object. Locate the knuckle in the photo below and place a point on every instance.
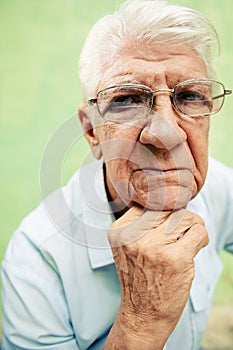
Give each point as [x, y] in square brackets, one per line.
[194, 217]
[203, 233]
[205, 237]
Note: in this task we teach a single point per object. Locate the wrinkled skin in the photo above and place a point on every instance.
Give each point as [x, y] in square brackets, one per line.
[158, 163]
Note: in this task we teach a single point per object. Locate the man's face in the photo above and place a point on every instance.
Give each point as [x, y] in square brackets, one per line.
[159, 161]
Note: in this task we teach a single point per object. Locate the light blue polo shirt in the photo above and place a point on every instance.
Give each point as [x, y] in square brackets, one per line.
[60, 286]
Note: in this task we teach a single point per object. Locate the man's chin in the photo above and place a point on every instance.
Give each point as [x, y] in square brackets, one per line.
[170, 201]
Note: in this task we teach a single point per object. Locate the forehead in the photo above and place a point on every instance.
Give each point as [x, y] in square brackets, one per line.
[153, 66]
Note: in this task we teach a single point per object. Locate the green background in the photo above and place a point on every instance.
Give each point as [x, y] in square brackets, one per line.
[40, 42]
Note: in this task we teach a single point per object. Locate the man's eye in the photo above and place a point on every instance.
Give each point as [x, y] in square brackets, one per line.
[125, 101]
[123, 104]
[190, 97]
[194, 102]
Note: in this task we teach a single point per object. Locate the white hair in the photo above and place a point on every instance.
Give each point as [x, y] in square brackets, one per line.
[143, 21]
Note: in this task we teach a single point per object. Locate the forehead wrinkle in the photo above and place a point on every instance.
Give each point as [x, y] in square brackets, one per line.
[142, 76]
[156, 67]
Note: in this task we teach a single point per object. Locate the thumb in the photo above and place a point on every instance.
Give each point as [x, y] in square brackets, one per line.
[131, 215]
[136, 222]
[117, 234]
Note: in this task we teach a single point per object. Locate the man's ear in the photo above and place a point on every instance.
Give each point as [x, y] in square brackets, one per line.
[89, 132]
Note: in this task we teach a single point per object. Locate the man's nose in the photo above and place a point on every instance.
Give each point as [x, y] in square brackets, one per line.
[162, 129]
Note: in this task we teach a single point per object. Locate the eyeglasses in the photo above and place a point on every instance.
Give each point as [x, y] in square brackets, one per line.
[127, 102]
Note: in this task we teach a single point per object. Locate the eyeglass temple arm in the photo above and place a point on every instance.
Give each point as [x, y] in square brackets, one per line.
[226, 92]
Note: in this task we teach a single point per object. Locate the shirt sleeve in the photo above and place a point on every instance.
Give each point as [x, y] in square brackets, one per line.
[35, 314]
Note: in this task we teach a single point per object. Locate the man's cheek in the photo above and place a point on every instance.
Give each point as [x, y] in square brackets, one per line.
[114, 149]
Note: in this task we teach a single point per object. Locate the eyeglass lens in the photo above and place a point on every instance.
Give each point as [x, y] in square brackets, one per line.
[199, 99]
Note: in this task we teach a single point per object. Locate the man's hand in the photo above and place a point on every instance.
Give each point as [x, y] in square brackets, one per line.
[153, 254]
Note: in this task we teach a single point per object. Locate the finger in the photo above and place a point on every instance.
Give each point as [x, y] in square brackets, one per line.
[174, 222]
[194, 239]
[172, 228]
[131, 215]
[116, 234]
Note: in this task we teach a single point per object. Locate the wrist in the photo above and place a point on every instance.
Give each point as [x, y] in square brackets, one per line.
[133, 333]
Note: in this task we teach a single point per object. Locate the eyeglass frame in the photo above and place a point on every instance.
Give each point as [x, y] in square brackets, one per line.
[226, 92]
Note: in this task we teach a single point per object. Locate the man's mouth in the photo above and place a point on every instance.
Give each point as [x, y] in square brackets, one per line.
[153, 171]
[165, 177]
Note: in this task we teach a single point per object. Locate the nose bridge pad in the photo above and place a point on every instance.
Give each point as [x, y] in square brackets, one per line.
[162, 132]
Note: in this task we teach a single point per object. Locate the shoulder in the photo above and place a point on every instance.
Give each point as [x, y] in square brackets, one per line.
[218, 185]
[54, 223]
[217, 168]
[216, 198]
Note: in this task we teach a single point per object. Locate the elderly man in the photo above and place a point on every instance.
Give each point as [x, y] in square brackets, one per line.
[126, 255]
